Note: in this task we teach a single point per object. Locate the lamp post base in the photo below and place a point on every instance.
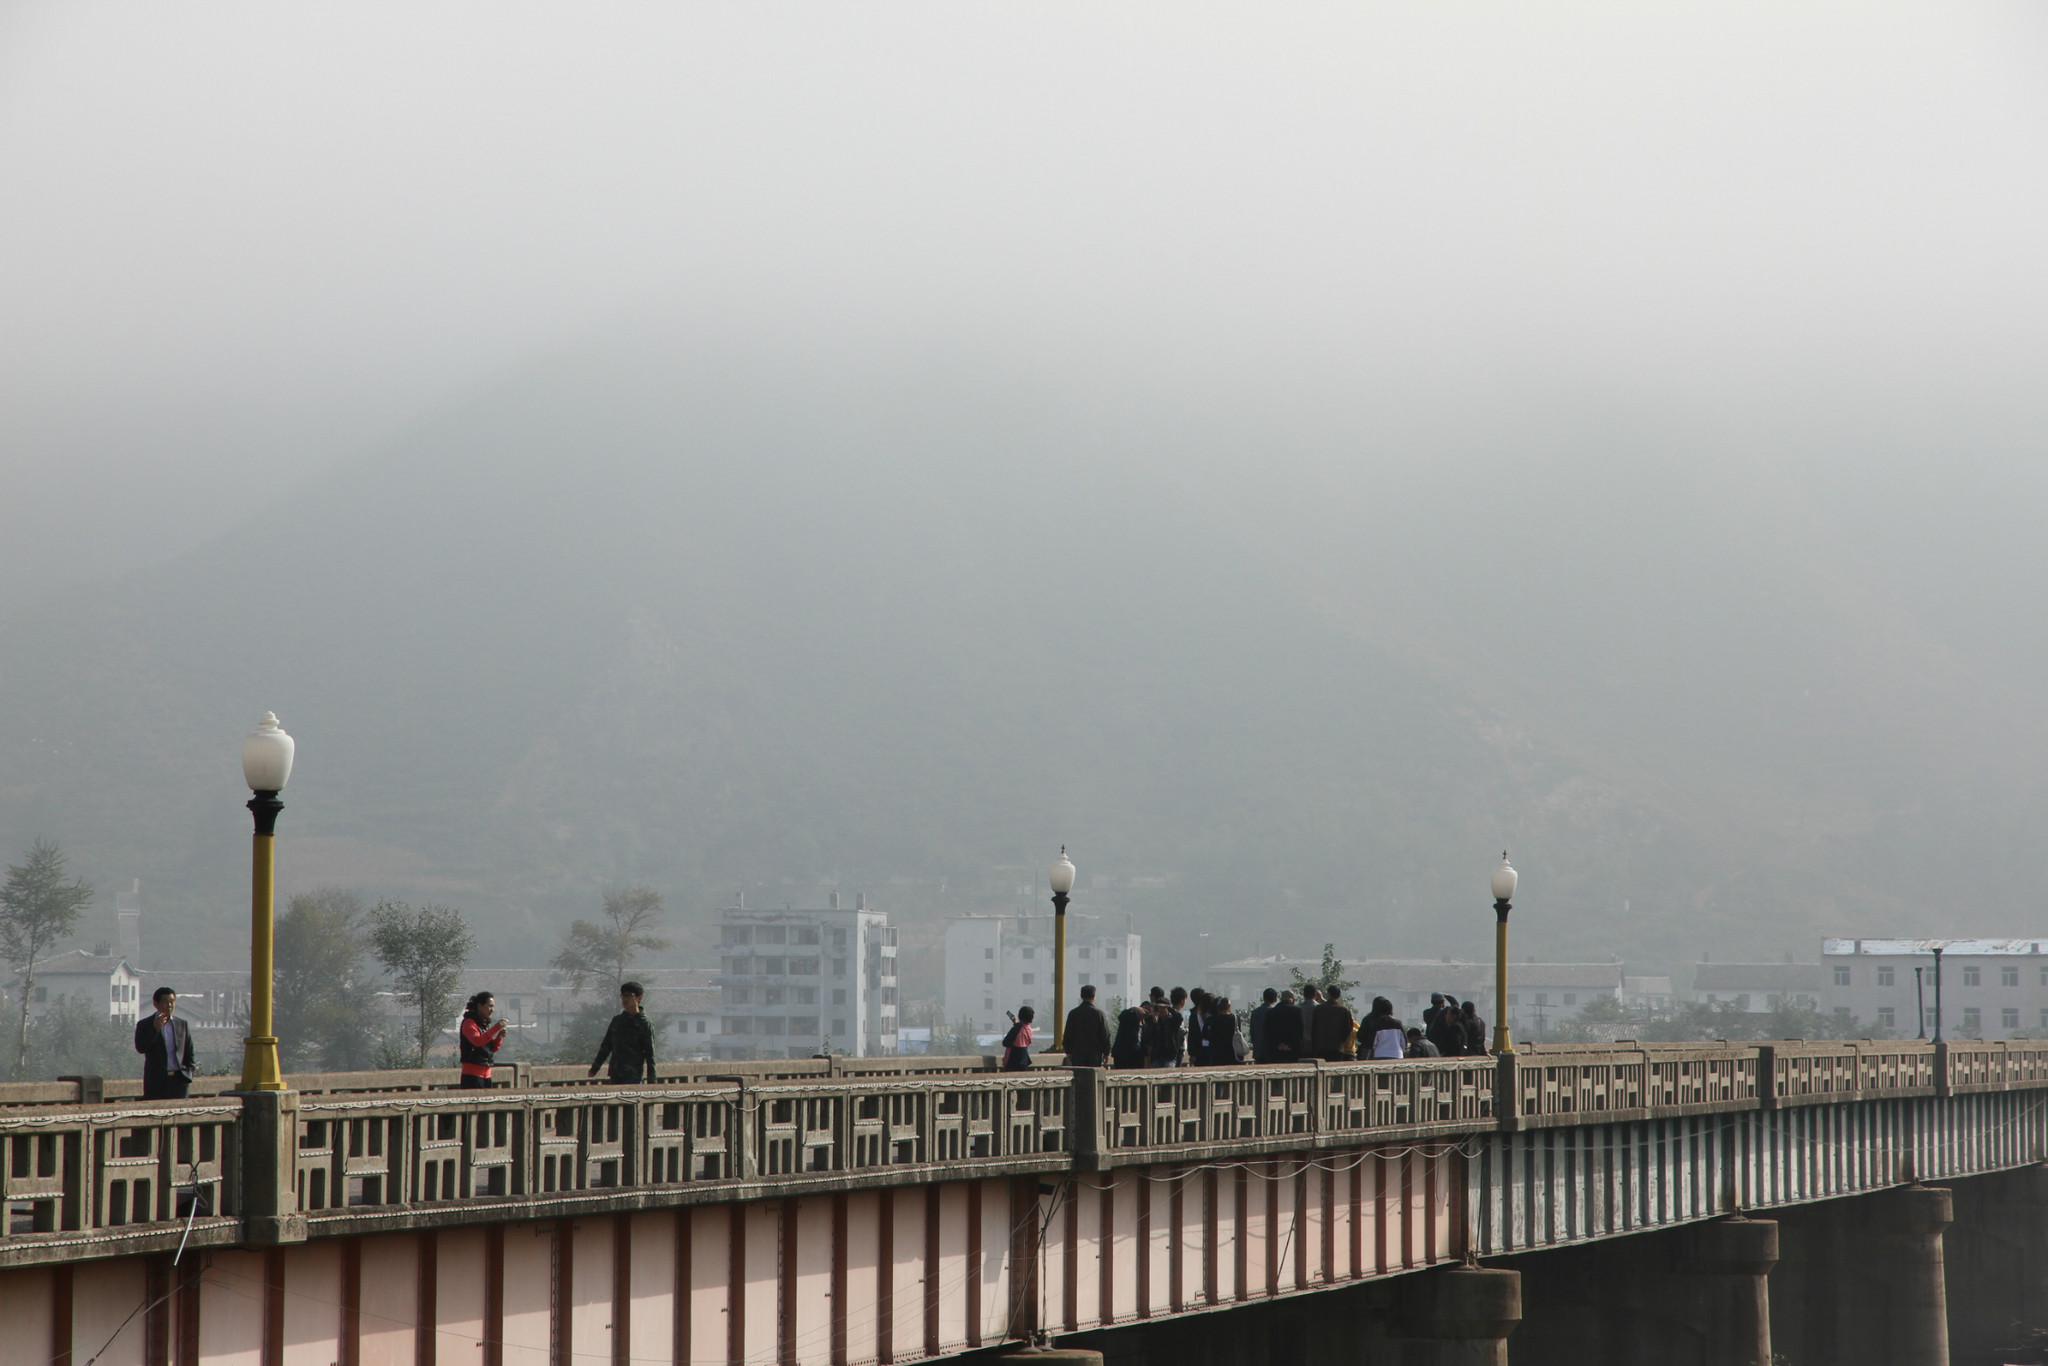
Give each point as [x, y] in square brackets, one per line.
[1501, 1042]
[260, 1071]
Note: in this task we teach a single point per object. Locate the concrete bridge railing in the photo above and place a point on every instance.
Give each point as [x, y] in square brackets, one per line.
[363, 1152]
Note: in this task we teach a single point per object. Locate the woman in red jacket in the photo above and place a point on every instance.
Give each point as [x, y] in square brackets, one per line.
[480, 1040]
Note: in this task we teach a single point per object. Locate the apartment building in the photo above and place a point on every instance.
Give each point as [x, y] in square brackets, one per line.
[795, 982]
[1759, 987]
[1990, 988]
[996, 963]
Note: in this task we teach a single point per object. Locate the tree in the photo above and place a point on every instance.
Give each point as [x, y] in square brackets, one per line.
[1332, 975]
[74, 1037]
[607, 950]
[37, 908]
[324, 1013]
[423, 948]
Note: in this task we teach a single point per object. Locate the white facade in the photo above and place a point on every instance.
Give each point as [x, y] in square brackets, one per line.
[996, 963]
[795, 982]
[1990, 988]
[102, 980]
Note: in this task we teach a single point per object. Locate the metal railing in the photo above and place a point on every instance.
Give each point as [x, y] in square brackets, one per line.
[342, 1151]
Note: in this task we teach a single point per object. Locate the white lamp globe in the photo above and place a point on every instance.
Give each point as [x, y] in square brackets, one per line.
[267, 756]
[1504, 879]
[1061, 874]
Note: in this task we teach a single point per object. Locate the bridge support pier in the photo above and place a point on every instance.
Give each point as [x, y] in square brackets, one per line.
[1996, 1255]
[1694, 1296]
[1460, 1316]
[1862, 1281]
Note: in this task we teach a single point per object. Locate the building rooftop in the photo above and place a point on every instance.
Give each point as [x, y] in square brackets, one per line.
[1953, 947]
[1756, 977]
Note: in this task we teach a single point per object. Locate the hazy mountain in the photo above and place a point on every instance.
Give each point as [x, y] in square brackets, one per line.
[726, 618]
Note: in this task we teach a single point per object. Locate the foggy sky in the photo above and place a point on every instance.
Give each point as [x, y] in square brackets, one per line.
[241, 243]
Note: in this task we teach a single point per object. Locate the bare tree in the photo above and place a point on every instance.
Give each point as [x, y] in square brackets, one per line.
[423, 948]
[607, 950]
[37, 908]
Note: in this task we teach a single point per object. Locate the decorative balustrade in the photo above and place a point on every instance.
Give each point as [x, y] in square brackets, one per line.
[96, 1179]
[111, 1177]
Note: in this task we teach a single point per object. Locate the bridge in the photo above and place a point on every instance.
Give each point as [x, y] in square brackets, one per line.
[1833, 1202]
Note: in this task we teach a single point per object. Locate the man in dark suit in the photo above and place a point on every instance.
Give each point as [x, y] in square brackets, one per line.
[165, 1043]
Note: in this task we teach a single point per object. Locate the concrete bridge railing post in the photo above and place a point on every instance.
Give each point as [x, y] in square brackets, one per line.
[269, 1139]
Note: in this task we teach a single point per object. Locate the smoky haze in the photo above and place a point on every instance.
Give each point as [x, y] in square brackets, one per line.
[1286, 454]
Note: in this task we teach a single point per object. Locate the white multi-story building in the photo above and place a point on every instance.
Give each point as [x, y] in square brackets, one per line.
[797, 982]
[1990, 988]
[996, 963]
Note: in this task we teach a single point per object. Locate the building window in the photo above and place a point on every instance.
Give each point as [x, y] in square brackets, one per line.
[773, 1024]
[1570, 998]
[2008, 977]
[988, 1003]
[839, 939]
[1884, 977]
[1973, 977]
[988, 977]
[700, 1026]
[736, 1024]
[1109, 979]
[1927, 1017]
[1111, 953]
[807, 934]
[839, 1026]
[773, 934]
[988, 953]
[839, 998]
[839, 967]
[775, 967]
[1542, 998]
[803, 1024]
[1973, 1020]
[1030, 978]
[1841, 977]
[739, 934]
[1742, 1001]
[1084, 950]
[739, 996]
[1031, 953]
[1887, 1017]
[2009, 1018]
[806, 996]
[771, 996]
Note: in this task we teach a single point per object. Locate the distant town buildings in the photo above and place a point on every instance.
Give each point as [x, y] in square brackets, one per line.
[996, 963]
[1757, 987]
[795, 982]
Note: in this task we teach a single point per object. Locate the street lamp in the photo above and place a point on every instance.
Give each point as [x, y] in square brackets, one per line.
[1061, 877]
[1937, 991]
[1503, 897]
[266, 765]
[1920, 999]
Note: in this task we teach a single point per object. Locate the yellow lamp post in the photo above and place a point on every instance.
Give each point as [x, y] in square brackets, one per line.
[1061, 878]
[266, 765]
[1503, 896]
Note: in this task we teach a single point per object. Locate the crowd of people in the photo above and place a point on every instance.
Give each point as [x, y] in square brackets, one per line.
[1183, 1028]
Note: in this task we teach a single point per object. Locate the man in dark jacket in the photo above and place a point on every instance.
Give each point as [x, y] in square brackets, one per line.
[1329, 1028]
[165, 1043]
[1086, 1036]
[1287, 1030]
[1262, 1050]
[628, 1040]
[1475, 1031]
[1447, 1029]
